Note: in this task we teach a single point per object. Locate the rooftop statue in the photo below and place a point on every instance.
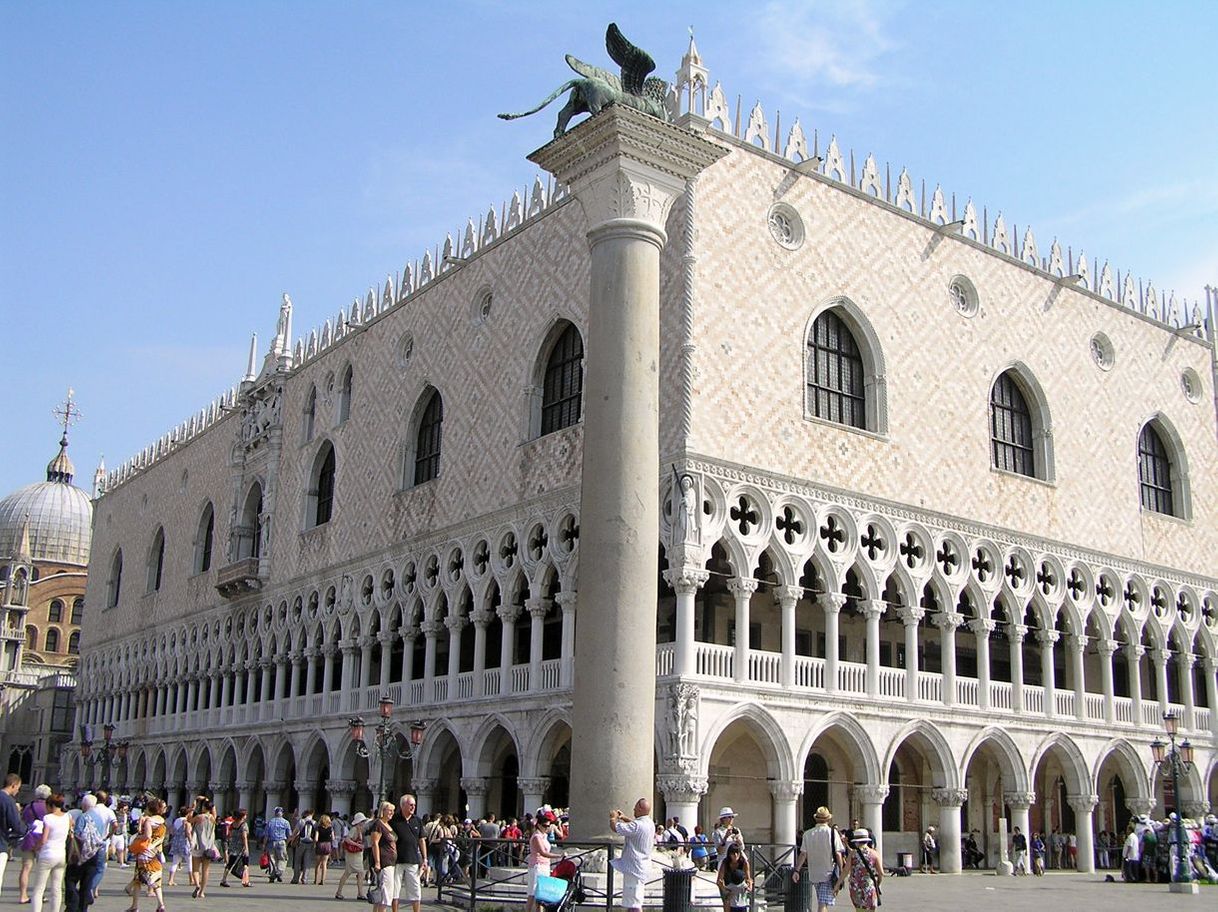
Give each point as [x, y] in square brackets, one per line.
[599, 88]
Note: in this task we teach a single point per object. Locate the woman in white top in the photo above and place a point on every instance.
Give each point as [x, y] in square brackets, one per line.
[52, 860]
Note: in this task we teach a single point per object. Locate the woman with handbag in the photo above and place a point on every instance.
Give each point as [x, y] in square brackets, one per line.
[238, 850]
[203, 848]
[353, 847]
[31, 814]
[863, 871]
[325, 847]
[145, 849]
[384, 858]
[52, 861]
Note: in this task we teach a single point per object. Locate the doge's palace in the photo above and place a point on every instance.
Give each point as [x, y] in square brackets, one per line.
[938, 512]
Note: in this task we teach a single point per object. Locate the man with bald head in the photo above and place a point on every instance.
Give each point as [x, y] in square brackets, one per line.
[635, 862]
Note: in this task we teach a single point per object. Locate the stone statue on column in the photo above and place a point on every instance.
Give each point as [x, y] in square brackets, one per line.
[682, 725]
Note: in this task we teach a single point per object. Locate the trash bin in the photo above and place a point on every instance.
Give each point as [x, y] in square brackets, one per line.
[777, 885]
[678, 889]
[799, 895]
[905, 860]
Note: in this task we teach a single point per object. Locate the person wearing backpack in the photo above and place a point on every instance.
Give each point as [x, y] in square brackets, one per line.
[1150, 849]
[303, 843]
[89, 833]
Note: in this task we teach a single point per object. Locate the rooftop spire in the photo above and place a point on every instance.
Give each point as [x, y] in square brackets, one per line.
[251, 370]
[99, 477]
[24, 554]
[60, 469]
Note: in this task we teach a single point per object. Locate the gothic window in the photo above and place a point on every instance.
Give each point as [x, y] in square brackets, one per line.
[115, 584]
[31, 637]
[52, 641]
[344, 394]
[55, 615]
[249, 534]
[78, 611]
[1155, 472]
[836, 374]
[428, 440]
[310, 414]
[322, 489]
[563, 382]
[205, 539]
[1011, 427]
[74, 644]
[156, 561]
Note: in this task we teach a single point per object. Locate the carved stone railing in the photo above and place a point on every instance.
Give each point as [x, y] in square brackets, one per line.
[239, 579]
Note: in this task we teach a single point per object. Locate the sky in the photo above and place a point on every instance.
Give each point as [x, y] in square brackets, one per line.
[169, 169]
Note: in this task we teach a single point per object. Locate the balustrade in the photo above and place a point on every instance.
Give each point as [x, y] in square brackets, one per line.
[490, 682]
[851, 677]
[765, 667]
[1064, 702]
[1151, 715]
[416, 692]
[439, 690]
[1000, 695]
[1095, 706]
[967, 692]
[1124, 709]
[551, 669]
[520, 679]
[465, 685]
[809, 672]
[665, 659]
[892, 683]
[1033, 698]
[713, 661]
[930, 687]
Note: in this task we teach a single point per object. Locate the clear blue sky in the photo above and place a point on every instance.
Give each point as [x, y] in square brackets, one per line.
[167, 169]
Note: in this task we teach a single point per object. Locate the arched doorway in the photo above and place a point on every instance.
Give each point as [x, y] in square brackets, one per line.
[919, 765]
[743, 760]
[992, 769]
[1058, 775]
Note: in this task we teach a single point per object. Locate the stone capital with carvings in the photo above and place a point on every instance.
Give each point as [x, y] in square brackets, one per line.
[340, 786]
[788, 595]
[873, 608]
[537, 607]
[454, 623]
[742, 587]
[508, 613]
[831, 602]
[566, 600]
[535, 785]
[948, 620]
[686, 789]
[982, 626]
[1083, 804]
[424, 786]
[910, 616]
[474, 786]
[949, 797]
[786, 791]
[1140, 806]
[686, 581]
[1019, 800]
[871, 794]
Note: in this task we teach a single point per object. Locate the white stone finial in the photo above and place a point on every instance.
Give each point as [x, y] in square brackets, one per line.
[251, 368]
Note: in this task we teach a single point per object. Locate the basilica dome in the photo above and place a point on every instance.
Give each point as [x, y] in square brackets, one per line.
[60, 516]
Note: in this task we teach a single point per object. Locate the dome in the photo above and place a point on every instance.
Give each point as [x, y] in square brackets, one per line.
[60, 516]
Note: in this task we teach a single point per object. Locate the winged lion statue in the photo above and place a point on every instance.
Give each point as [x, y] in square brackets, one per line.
[599, 88]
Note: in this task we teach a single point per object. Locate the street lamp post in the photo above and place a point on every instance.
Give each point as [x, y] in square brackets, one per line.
[111, 752]
[1172, 757]
[385, 738]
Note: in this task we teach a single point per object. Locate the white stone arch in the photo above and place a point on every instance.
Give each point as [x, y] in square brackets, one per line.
[875, 370]
[1129, 761]
[1177, 454]
[737, 556]
[1079, 780]
[1041, 414]
[549, 733]
[934, 746]
[1010, 760]
[314, 752]
[427, 760]
[484, 743]
[770, 736]
[200, 761]
[850, 728]
[543, 345]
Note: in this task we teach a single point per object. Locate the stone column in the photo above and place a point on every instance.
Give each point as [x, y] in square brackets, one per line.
[409, 635]
[1133, 659]
[431, 629]
[872, 612]
[251, 681]
[832, 603]
[949, 801]
[328, 652]
[872, 798]
[425, 795]
[533, 790]
[566, 604]
[342, 791]
[1084, 807]
[475, 796]
[911, 617]
[787, 597]
[1184, 671]
[1019, 802]
[785, 795]
[245, 791]
[507, 651]
[947, 622]
[192, 693]
[1107, 648]
[365, 661]
[455, 624]
[1159, 656]
[685, 583]
[1047, 638]
[537, 608]
[981, 629]
[1016, 633]
[625, 169]
[177, 798]
[682, 795]
[311, 656]
[1077, 645]
[281, 676]
[386, 638]
[742, 589]
[481, 619]
[1211, 691]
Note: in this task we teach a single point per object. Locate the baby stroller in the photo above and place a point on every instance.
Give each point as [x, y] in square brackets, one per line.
[564, 889]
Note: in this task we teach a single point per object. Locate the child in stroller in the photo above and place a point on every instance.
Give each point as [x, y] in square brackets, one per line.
[563, 890]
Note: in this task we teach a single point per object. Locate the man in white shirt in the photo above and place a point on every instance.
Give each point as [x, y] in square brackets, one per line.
[635, 862]
[106, 814]
[1131, 856]
[824, 853]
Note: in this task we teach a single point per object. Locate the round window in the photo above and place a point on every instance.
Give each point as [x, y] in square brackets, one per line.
[963, 296]
[405, 349]
[1190, 385]
[786, 226]
[1102, 352]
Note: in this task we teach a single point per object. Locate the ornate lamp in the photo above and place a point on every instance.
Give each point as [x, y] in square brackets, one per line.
[1158, 750]
[356, 726]
[1186, 752]
[108, 732]
[1171, 722]
[386, 706]
[416, 734]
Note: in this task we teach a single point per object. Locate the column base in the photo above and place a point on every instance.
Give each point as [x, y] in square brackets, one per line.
[1189, 886]
[1004, 869]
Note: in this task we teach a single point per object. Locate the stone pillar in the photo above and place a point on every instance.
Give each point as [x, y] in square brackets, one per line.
[787, 597]
[1047, 638]
[1133, 658]
[251, 681]
[425, 795]
[455, 624]
[1077, 645]
[947, 622]
[1184, 671]
[949, 801]
[1211, 691]
[507, 652]
[537, 608]
[1160, 655]
[475, 797]
[311, 656]
[245, 791]
[281, 676]
[625, 169]
[682, 795]
[386, 638]
[742, 589]
[832, 603]
[1019, 802]
[911, 617]
[431, 629]
[785, 795]
[1016, 633]
[872, 612]
[365, 661]
[533, 790]
[409, 636]
[481, 618]
[177, 798]
[981, 629]
[1106, 648]
[566, 604]
[872, 798]
[1084, 807]
[192, 693]
[327, 654]
[685, 583]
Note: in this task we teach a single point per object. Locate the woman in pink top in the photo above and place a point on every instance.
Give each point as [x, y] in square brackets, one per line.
[539, 858]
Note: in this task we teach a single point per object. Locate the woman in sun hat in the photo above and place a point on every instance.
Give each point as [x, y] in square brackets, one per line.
[823, 851]
[724, 834]
[863, 871]
[353, 867]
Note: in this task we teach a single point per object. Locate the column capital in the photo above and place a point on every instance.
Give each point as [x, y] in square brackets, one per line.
[1196, 809]
[454, 622]
[786, 791]
[1078, 642]
[1047, 637]
[431, 627]
[682, 788]
[871, 794]
[566, 600]
[274, 785]
[686, 580]
[948, 620]
[386, 638]
[1020, 801]
[949, 797]
[534, 785]
[788, 595]
[1187, 659]
[623, 165]
[424, 785]
[244, 785]
[508, 613]
[1017, 632]
[537, 607]
[311, 652]
[366, 641]
[303, 787]
[349, 644]
[330, 650]
[1140, 806]
[981, 626]
[873, 608]
[1106, 647]
[410, 634]
[475, 786]
[742, 586]
[1211, 665]
[1160, 654]
[1083, 804]
[340, 786]
[832, 602]
[911, 616]
[1133, 651]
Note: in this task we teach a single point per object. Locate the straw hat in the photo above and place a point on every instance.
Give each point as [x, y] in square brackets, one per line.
[823, 815]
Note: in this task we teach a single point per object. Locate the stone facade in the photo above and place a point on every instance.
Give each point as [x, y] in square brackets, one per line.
[874, 618]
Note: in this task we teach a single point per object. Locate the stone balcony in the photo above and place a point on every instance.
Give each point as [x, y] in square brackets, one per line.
[239, 579]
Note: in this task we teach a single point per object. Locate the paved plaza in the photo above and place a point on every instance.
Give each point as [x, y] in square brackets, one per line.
[921, 892]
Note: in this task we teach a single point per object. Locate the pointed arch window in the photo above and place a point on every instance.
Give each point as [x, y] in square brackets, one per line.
[836, 373]
[31, 637]
[1011, 440]
[563, 382]
[310, 414]
[206, 539]
[156, 561]
[345, 388]
[428, 440]
[323, 487]
[249, 533]
[52, 641]
[55, 614]
[114, 585]
[1155, 476]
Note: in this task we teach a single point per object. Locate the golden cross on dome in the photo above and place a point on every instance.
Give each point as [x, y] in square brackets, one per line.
[68, 413]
